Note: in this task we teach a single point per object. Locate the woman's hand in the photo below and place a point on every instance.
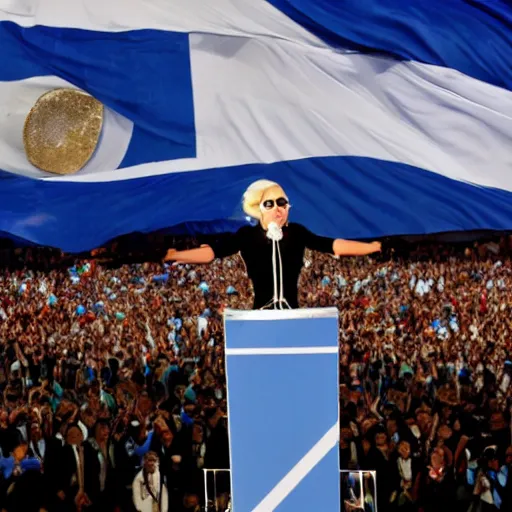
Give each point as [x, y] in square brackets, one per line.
[82, 500]
[171, 255]
[377, 246]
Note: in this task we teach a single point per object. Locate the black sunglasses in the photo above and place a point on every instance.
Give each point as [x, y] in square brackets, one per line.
[268, 204]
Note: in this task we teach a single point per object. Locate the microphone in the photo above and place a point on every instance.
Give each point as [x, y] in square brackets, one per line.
[274, 232]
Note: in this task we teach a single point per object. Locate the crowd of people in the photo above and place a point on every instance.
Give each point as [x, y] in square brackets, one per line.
[114, 392]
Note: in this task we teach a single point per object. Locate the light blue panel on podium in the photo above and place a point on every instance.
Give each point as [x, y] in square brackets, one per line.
[282, 377]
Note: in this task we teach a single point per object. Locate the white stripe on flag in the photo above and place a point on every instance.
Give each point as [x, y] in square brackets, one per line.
[278, 494]
[268, 101]
[240, 18]
[280, 351]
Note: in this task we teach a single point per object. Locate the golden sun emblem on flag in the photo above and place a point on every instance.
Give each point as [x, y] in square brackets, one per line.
[62, 130]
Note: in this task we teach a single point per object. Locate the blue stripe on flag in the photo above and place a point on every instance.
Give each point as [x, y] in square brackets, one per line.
[471, 36]
[367, 198]
[17, 63]
[144, 75]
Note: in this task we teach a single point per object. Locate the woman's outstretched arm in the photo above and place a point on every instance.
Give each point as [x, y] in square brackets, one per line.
[203, 254]
[337, 246]
[342, 247]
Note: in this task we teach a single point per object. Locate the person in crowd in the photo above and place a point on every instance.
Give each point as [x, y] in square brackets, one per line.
[80, 471]
[149, 486]
[21, 481]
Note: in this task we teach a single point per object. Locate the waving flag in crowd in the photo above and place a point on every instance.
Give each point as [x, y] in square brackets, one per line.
[380, 117]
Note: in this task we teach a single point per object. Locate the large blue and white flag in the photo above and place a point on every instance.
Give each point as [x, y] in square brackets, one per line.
[379, 117]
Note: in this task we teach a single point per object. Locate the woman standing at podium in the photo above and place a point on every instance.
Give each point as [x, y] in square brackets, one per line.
[273, 250]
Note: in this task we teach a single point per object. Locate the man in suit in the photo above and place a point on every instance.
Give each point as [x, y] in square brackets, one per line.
[168, 445]
[78, 483]
[104, 451]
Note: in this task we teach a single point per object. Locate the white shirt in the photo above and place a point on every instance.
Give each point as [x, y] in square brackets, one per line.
[142, 500]
[80, 474]
[41, 448]
[405, 468]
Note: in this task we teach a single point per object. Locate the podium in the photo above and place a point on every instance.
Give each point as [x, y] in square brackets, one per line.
[283, 409]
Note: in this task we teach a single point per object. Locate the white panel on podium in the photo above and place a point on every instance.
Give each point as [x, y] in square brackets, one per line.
[283, 409]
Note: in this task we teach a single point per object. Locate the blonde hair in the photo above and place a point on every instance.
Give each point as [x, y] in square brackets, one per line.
[253, 196]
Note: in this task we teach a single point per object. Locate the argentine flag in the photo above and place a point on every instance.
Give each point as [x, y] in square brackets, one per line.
[378, 117]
